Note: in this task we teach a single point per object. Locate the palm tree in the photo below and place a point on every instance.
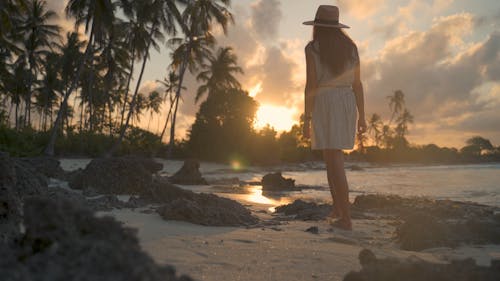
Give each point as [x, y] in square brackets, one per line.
[115, 60]
[396, 103]
[402, 123]
[38, 39]
[218, 75]
[16, 84]
[161, 14]
[386, 135]
[98, 17]
[197, 20]
[50, 86]
[10, 15]
[200, 15]
[153, 104]
[374, 127]
[137, 41]
[71, 53]
[171, 83]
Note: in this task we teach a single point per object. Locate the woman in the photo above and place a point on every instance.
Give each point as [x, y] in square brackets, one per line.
[332, 95]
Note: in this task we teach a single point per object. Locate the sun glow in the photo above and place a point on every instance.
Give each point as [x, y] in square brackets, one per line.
[278, 117]
[255, 90]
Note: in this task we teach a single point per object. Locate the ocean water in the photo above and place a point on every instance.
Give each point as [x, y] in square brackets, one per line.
[478, 183]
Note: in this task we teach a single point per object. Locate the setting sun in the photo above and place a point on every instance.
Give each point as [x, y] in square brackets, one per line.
[278, 117]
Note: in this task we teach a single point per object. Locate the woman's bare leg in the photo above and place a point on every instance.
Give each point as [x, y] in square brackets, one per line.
[341, 187]
[328, 157]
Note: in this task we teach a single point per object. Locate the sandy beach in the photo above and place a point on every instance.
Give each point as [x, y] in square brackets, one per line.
[278, 249]
[280, 252]
[227, 229]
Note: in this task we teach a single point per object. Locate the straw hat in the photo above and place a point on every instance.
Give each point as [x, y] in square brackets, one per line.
[327, 16]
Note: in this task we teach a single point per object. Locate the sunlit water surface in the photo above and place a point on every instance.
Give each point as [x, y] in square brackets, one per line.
[477, 183]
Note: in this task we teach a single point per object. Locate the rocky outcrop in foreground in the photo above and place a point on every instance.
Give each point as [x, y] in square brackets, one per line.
[18, 179]
[414, 269]
[116, 175]
[10, 201]
[208, 209]
[199, 208]
[63, 241]
[131, 176]
[189, 174]
[47, 166]
[427, 223]
[422, 223]
[306, 211]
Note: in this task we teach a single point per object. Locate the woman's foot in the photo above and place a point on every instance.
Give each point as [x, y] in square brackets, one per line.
[342, 224]
[334, 214]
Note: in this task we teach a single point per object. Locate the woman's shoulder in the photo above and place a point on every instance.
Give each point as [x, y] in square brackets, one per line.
[311, 47]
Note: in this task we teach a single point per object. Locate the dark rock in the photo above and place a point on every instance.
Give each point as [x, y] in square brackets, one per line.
[64, 241]
[208, 209]
[120, 175]
[313, 230]
[403, 206]
[71, 176]
[97, 203]
[90, 192]
[10, 201]
[356, 168]
[204, 209]
[366, 257]
[162, 191]
[189, 174]
[421, 231]
[391, 269]
[147, 163]
[29, 182]
[376, 201]
[305, 210]
[276, 182]
[47, 166]
[136, 202]
[428, 223]
[18, 179]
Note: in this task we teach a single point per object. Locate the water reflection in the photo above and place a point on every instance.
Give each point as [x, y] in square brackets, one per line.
[256, 195]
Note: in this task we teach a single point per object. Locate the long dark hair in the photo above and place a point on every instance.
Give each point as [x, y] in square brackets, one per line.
[336, 48]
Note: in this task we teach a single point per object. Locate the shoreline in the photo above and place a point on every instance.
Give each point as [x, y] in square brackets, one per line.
[249, 237]
[277, 252]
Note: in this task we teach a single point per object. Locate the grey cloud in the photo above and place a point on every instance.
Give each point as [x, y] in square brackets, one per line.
[266, 16]
[438, 87]
[277, 85]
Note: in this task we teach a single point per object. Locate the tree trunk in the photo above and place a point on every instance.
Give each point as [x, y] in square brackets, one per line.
[17, 116]
[90, 93]
[49, 150]
[128, 86]
[166, 121]
[177, 97]
[118, 142]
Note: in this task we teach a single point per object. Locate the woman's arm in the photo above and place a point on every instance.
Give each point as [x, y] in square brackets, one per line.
[310, 90]
[357, 87]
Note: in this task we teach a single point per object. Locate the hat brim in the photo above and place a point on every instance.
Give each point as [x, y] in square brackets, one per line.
[338, 25]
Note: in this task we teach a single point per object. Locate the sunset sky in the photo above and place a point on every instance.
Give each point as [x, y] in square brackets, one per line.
[443, 54]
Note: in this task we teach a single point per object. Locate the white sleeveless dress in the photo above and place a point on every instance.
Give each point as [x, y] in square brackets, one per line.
[334, 116]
